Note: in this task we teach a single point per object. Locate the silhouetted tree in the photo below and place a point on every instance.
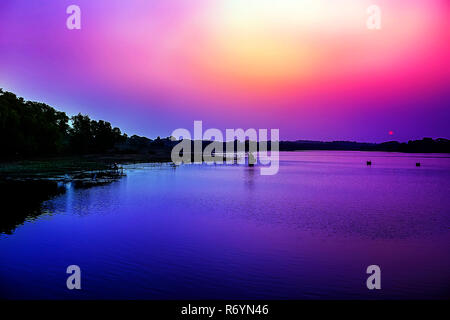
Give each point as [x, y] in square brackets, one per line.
[32, 128]
[29, 128]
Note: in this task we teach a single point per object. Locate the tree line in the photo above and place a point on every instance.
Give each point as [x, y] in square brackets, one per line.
[30, 128]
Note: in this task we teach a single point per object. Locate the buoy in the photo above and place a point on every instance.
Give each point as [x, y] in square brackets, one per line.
[417, 164]
[369, 163]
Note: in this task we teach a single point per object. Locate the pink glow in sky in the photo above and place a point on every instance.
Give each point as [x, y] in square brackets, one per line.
[308, 67]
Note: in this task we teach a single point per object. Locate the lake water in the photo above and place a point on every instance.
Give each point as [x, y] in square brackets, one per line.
[213, 232]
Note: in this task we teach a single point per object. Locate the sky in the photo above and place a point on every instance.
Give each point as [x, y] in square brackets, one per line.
[310, 68]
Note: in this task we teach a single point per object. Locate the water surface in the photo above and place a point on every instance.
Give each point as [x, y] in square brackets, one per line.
[213, 232]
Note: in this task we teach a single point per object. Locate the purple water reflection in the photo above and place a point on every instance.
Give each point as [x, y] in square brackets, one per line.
[199, 231]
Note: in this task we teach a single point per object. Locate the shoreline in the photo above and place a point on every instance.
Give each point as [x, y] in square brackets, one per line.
[79, 168]
[67, 168]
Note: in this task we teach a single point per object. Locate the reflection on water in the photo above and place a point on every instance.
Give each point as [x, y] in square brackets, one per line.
[199, 231]
[22, 200]
[250, 176]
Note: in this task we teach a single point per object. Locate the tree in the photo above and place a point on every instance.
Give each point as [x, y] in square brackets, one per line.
[30, 128]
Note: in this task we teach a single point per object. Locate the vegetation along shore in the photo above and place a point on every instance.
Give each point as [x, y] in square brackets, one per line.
[40, 142]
